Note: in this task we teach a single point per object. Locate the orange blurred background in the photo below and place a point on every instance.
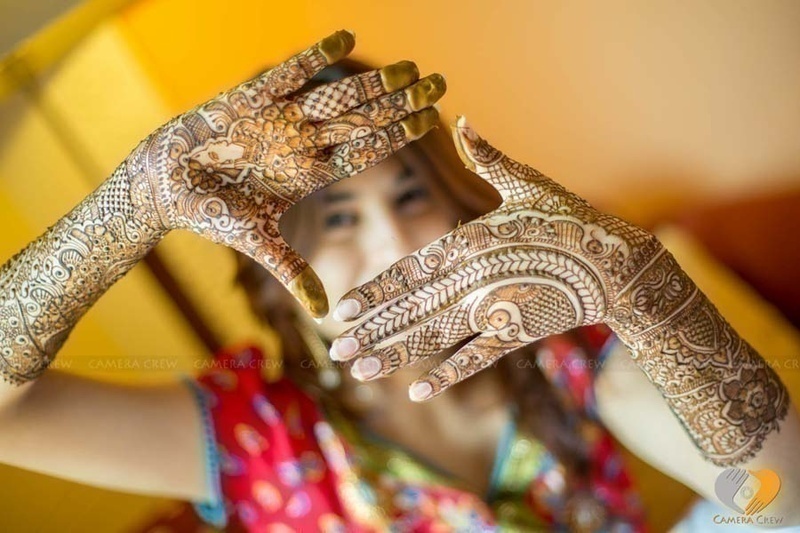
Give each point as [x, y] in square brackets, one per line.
[645, 108]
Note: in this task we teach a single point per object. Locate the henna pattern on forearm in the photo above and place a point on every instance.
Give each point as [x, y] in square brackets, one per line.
[544, 262]
[48, 286]
[725, 394]
[226, 170]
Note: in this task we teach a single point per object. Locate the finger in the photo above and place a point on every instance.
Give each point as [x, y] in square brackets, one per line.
[428, 265]
[355, 156]
[385, 361]
[481, 353]
[510, 178]
[310, 175]
[517, 294]
[307, 288]
[374, 115]
[402, 314]
[293, 73]
[269, 249]
[336, 98]
[428, 338]
[510, 315]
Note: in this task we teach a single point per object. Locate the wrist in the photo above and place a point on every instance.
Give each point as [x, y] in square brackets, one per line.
[141, 170]
[661, 294]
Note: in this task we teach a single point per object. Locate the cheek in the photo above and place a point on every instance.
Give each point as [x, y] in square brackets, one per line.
[338, 268]
[430, 227]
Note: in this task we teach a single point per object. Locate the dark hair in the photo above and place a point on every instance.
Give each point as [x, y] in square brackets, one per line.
[540, 412]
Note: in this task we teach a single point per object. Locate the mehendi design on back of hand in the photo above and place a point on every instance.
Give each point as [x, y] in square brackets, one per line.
[227, 170]
[545, 262]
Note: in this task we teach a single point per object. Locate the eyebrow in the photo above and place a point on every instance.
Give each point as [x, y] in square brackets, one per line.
[334, 197]
[406, 173]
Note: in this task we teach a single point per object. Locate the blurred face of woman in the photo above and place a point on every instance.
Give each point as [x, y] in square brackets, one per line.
[370, 221]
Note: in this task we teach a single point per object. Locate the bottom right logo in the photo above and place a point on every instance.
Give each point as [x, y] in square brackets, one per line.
[747, 491]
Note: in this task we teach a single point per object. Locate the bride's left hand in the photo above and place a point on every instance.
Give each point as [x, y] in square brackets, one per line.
[542, 263]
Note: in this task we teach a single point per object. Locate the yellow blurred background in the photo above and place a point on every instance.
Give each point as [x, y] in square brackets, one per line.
[644, 108]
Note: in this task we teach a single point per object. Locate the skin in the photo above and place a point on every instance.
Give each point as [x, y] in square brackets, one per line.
[227, 170]
[148, 439]
[545, 262]
[366, 224]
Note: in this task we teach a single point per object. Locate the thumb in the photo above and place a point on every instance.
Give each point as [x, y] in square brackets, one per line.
[476, 153]
[307, 288]
[294, 273]
[510, 178]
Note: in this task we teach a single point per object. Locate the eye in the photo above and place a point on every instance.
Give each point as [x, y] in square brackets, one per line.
[340, 220]
[412, 197]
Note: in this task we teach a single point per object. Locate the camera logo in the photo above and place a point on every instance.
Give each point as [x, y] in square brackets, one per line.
[747, 491]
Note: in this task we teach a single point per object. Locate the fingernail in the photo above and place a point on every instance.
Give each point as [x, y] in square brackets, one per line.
[419, 123]
[399, 75]
[466, 129]
[308, 289]
[460, 126]
[347, 309]
[429, 90]
[440, 80]
[421, 390]
[334, 47]
[366, 368]
[343, 348]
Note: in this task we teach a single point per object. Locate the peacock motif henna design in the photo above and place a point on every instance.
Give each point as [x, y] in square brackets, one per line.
[545, 262]
[226, 170]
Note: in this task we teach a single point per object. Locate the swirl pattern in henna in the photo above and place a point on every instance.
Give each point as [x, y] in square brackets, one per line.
[544, 262]
[229, 169]
[724, 393]
[50, 284]
[226, 170]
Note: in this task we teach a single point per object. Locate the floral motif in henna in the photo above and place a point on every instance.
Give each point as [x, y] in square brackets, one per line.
[226, 170]
[724, 393]
[229, 169]
[544, 262]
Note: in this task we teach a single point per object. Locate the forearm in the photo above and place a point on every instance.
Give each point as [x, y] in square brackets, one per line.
[49, 285]
[627, 402]
[725, 395]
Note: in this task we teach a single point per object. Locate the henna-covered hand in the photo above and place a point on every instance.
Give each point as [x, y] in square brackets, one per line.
[544, 262]
[227, 170]
[230, 168]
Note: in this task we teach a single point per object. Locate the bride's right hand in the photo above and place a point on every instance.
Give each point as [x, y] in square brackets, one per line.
[231, 167]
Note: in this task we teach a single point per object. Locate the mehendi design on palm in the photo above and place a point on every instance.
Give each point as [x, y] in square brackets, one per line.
[226, 170]
[229, 169]
[545, 262]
